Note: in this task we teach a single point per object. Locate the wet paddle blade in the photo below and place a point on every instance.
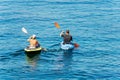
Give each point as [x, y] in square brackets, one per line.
[57, 25]
[24, 30]
[76, 45]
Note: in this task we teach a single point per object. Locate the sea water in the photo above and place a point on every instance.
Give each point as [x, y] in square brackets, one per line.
[94, 25]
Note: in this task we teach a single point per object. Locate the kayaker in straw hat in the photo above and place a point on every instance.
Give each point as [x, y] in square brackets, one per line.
[33, 42]
[67, 38]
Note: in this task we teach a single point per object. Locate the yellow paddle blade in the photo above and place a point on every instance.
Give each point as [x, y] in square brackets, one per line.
[57, 25]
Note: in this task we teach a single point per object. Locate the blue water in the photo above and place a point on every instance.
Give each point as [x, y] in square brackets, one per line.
[94, 25]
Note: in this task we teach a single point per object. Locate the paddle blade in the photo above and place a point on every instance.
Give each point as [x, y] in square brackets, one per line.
[76, 45]
[24, 30]
[57, 25]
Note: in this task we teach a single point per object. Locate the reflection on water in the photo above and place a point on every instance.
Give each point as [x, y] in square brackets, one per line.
[32, 58]
[63, 62]
[67, 60]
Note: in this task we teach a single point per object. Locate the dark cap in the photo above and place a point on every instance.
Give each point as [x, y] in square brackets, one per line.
[67, 31]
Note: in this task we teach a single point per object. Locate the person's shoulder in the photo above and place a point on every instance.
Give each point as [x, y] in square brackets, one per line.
[70, 35]
[35, 39]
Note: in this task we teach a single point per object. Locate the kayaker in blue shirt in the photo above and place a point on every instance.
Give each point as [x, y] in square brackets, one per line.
[33, 42]
[67, 38]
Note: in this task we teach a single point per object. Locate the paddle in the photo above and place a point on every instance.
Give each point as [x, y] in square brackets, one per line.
[58, 26]
[26, 32]
[76, 45]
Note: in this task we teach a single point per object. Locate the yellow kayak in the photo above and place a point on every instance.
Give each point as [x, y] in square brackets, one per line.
[33, 49]
[31, 52]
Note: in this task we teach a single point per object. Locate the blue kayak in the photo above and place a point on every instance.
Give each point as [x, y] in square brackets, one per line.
[66, 46]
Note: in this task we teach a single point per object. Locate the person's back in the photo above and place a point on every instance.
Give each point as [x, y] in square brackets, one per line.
[33, 42]
[66, 37]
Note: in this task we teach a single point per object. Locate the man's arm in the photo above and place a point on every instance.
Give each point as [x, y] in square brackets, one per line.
[29, 39]
[62, 34]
